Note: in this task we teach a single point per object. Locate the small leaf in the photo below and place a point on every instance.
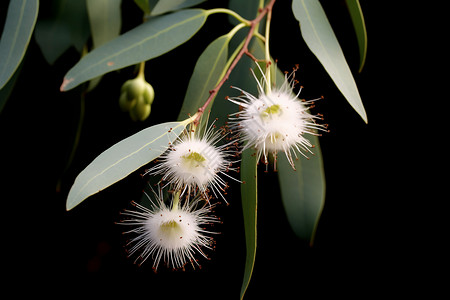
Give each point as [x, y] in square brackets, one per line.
[123, 158]
[148, 40]
[143, 5]
[249, 208]
[104, 19]
[320, 38]
[164, 6]
[68, 26]
[206, 74]
[19, 26]
[357, 17]
[303, 191]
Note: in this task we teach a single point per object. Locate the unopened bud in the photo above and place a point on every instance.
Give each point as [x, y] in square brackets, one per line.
[141, 110]
[136, 96]
[149, 93]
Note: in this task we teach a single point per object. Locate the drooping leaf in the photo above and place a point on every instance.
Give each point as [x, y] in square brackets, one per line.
[248, 9]
[148, 40]
[320, 38]
[206, 74]
[303, 191]
[19, 26]
[68, 26]
[6, 91]
[104, 19]
[249, 208]
[164, 6]
[357, 17]
[123, 158]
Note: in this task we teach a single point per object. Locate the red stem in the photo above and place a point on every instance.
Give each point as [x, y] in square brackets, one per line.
[243, 51]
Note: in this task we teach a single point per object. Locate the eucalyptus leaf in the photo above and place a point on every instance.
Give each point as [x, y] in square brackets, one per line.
[164, 6]
[19, 26]
[303, 191]
[146, 41]
[357, 17]
[320, 38]
[105, 20]
[249, 196]
[123, 158]
[143, 5]
[68, 26]
[206, 74]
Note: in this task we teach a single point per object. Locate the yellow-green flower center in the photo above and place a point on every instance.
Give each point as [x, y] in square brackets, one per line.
[271, 110]
[170, 226]
[194, 159]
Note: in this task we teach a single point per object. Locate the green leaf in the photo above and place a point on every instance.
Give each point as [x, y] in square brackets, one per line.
[248, 9]
[206, 75]
[68, 26]
[249, 209]
[123, 158]
[357, 17]
[19, 26]
[164, 6]
[303, 191]
[148, 40]
[320, 38]
[104, 19]
[143, 5]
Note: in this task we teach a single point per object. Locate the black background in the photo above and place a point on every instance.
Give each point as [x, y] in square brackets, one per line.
[82, 250]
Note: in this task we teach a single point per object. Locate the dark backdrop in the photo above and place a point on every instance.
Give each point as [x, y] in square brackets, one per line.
[83, 249]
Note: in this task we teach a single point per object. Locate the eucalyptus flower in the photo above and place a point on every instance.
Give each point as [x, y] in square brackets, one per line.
[275, 120]
[174, 235]
[194, 163]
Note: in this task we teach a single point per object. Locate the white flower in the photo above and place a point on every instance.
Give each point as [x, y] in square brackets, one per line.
[194, 163]
[275, 121]
[174, 235]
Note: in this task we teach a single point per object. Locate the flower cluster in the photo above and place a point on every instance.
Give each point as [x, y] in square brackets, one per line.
[194, 166]
[191, 169]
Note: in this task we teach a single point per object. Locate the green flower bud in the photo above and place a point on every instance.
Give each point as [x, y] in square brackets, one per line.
[149, 93]
[136, 96]
[141, 110]
[134, 87]
[124, 104]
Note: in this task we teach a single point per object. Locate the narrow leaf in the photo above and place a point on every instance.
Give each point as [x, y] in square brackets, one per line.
[206, 74]
[68, 26]
[249, 209]
[149, 40]
[143, 5]
[19, 26]
[164, 6]
[320, 38]
[104, 19]
[357, 17]
[303, 191]
[123, 158]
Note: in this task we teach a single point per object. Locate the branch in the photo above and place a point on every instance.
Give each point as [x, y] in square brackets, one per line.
[244, 50]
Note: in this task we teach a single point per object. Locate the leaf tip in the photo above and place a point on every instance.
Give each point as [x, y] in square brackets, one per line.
[66, 81]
